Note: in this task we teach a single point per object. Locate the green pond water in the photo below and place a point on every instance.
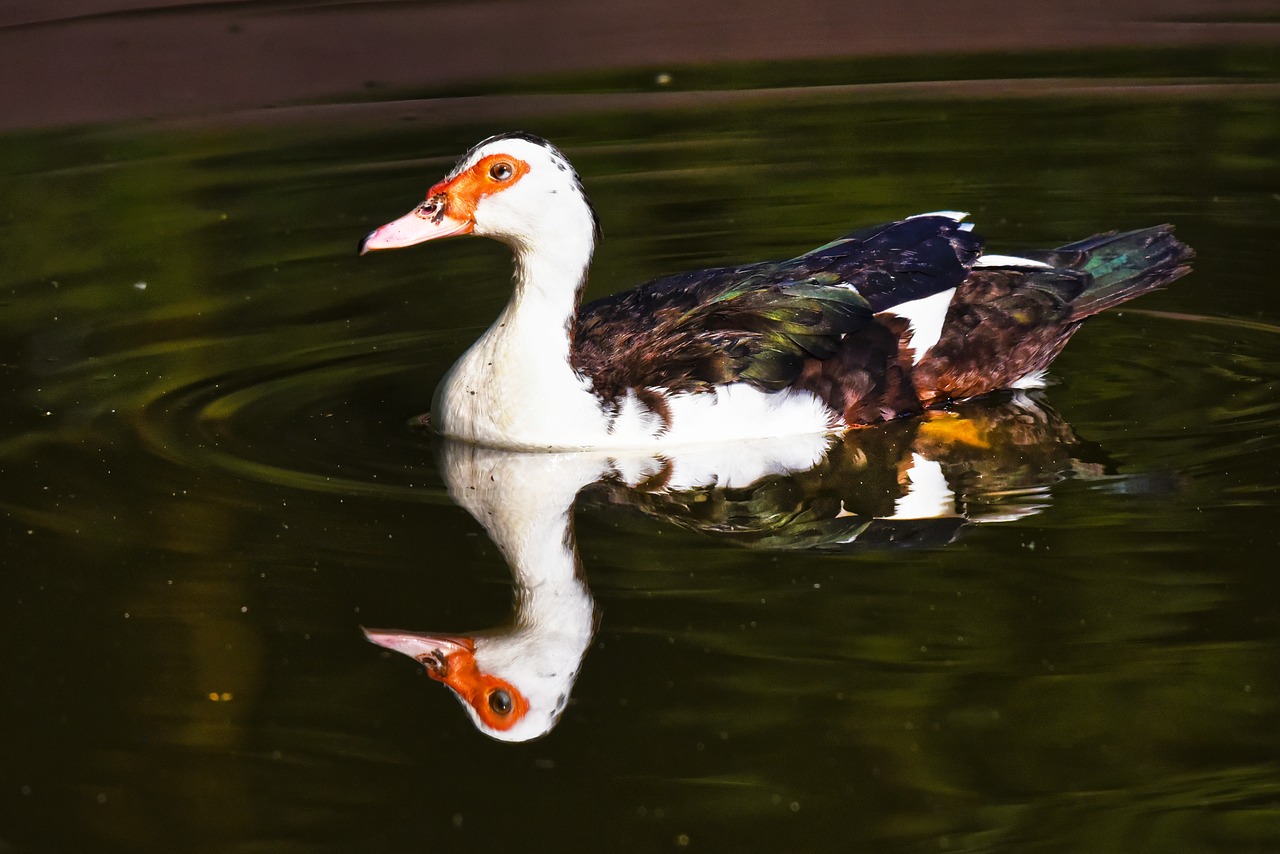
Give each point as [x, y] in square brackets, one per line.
[212, 476]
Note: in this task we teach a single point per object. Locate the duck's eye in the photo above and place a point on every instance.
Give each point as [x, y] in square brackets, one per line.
[501, 171]
[500, 702]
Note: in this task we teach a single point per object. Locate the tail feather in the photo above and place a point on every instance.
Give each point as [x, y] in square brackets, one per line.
[1123, 266]
[1007, 323]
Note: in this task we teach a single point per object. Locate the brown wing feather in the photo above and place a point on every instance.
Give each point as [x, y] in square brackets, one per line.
[1002, 325]
[763, 323]
[692, 335]
[869, 379]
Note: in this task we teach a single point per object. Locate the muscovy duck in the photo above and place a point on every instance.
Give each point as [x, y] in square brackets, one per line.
[885, 322]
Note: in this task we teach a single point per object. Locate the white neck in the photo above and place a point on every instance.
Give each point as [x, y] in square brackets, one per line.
[525, 502]
[514, 387]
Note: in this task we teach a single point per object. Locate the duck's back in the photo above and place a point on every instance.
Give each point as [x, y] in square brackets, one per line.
[762, 323]
[881, 323]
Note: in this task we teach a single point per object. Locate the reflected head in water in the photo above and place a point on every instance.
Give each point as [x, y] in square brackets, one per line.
[515, 680]
[915, 482]
[513, 690]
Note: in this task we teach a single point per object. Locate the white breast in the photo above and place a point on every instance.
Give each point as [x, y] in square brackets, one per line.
[737, 411]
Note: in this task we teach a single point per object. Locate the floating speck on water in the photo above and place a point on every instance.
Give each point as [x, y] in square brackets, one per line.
[141, 286]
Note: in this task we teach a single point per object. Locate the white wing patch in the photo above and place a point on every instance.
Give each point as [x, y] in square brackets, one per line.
[1010, 261]
[926, 316]
[956, 215]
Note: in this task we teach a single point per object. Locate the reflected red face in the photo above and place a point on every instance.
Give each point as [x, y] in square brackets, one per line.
[497, 702]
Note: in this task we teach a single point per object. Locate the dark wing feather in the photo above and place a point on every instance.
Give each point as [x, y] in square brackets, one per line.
[1007, 322]
[900, 261]
[760, 323]
[1120, 266]
[1002, 324]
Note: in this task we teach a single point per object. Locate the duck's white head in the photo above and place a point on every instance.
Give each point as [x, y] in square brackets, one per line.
[514, 685]
[515, 187]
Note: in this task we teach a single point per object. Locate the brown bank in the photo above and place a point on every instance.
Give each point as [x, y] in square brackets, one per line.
[70, 62]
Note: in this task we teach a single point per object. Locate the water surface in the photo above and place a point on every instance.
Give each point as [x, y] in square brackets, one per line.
[213, 477]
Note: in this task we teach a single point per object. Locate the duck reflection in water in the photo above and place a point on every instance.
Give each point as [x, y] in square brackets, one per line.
[908, 483]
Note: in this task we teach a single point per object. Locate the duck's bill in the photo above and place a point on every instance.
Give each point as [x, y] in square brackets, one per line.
[414, 227]
[427, 648]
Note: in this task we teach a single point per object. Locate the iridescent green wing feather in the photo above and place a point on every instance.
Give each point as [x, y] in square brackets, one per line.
[760, 323]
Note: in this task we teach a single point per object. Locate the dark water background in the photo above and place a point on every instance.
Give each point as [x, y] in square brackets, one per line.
[211, 481]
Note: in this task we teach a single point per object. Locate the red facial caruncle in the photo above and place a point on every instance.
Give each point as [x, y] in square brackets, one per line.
[450, 206]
